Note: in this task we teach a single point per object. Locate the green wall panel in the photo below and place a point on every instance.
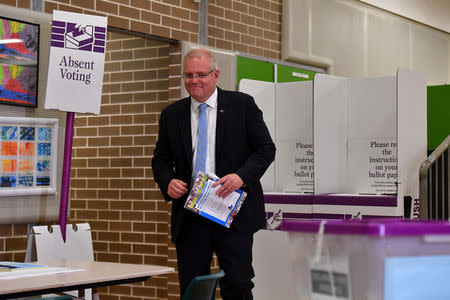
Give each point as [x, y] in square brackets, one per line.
[254, 69]
[290, 74]
[438, 114]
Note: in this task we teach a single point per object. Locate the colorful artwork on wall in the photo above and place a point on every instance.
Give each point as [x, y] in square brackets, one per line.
[27, 155]
[19, 56]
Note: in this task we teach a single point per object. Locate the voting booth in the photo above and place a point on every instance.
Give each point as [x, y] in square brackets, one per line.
[369, 140]
[287, 111]
[370, 137]
[287, 107]
[368, 143]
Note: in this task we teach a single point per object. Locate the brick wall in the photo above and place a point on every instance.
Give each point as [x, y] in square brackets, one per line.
[112, 184]
[249, 26]
[13, 242]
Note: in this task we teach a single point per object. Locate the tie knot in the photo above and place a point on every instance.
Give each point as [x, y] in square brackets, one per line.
[203, 107]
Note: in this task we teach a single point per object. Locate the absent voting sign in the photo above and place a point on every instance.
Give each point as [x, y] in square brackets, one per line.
[76, 64]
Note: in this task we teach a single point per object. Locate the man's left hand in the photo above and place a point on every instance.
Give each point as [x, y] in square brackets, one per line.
[230, 183]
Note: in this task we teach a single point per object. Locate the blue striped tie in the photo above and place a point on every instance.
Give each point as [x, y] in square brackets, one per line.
[202, 140]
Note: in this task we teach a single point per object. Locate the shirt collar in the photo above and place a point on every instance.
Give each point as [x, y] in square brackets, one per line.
[212, 101]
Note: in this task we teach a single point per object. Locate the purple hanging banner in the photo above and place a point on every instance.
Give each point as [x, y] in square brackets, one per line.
[65, 182]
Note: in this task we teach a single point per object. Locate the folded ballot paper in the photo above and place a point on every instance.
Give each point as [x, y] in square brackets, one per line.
[202, 199]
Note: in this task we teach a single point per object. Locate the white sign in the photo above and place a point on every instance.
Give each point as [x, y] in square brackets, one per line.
[330, 278]
[76, 64]
[295, 166]
[372, 166]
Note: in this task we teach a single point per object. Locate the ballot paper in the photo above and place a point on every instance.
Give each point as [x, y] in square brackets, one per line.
[203, 200]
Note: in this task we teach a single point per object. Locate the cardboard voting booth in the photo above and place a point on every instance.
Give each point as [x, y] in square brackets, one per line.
[356, 144]
[287, 110]
[369, 141]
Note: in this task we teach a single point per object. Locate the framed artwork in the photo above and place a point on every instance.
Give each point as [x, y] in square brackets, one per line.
[19, 57]
[28, 156]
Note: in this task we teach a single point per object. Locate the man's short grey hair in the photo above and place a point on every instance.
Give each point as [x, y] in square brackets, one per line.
[197, 53]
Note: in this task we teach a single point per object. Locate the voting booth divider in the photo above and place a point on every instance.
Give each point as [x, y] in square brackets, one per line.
[347, 148]
[288, 183]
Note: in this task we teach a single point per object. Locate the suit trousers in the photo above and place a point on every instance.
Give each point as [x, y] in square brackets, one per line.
[199, 239]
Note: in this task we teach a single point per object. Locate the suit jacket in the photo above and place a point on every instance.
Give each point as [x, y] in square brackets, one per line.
[243, 146]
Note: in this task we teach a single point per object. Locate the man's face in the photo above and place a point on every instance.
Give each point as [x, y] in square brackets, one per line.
[200, 88]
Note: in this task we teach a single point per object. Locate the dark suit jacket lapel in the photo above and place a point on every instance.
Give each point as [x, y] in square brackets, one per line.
[184, 123]
[220, 124]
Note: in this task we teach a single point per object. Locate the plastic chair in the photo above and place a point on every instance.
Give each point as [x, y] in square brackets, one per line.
[203, 287]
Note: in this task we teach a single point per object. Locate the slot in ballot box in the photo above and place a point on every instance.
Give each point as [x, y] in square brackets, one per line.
[364, 260]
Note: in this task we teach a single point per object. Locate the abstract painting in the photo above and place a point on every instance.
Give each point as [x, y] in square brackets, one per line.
[27, 156]
[19, 56]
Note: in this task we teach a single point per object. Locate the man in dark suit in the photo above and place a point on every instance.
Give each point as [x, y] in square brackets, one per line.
[239, 150]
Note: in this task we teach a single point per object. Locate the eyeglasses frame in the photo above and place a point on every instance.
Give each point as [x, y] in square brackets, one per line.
[201, 75]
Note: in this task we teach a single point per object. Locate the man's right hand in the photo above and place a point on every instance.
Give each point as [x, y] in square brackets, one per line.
[176, 189]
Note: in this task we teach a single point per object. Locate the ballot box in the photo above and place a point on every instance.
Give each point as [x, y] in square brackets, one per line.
[367, 260]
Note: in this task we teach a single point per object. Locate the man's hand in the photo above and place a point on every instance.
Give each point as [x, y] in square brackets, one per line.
[176, 189]
[230, 183]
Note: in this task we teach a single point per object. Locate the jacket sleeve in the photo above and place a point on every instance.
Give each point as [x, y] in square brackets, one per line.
[163, 161]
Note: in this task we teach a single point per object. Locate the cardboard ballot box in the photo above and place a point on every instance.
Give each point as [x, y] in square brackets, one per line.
[368, 260]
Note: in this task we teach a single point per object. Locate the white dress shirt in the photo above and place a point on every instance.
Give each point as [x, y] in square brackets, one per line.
[211, 112]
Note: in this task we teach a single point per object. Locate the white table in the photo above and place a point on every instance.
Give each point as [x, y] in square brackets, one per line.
[94, 274]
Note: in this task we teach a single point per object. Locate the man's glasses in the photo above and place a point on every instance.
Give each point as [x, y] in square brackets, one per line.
[198, 75]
